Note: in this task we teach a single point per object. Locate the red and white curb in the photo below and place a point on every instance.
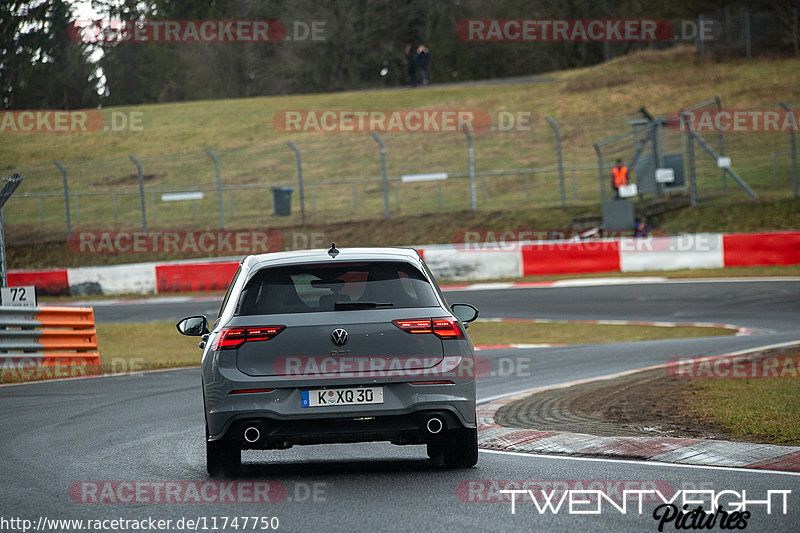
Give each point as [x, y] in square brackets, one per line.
[456, 262]
[480, 347]
[492, 436]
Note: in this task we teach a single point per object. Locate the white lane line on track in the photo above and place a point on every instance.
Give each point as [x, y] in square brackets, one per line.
[643, 463]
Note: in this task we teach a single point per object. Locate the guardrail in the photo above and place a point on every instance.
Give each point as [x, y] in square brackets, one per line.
[48, 341]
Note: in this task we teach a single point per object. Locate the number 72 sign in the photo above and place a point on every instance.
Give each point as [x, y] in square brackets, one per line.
[19, 296]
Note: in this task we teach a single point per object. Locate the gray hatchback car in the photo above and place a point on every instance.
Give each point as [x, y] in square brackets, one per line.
[337, 346]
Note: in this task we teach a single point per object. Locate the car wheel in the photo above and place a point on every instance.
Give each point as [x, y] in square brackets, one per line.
[435, 450]
[461, 448]
[223, 459]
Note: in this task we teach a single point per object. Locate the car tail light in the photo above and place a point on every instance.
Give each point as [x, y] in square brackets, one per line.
[444, 328]
[413, 326]
[230, 338]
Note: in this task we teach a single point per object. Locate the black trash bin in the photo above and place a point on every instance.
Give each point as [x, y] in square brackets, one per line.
[282, 201]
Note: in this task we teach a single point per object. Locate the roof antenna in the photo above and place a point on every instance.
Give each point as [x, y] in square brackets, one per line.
[333, 252]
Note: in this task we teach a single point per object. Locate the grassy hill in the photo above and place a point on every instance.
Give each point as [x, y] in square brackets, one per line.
[340, 169]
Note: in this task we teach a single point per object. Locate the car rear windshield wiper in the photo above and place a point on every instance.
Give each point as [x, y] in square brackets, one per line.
[347, 306]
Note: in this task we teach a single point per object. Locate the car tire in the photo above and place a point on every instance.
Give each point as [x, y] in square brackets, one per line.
[435, 450]
[223, 459]
[461, 448]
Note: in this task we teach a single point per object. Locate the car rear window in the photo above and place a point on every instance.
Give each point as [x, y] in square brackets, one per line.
[319, 287]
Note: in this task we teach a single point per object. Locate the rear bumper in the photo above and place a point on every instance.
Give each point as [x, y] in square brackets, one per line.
[282, 420]
[418, 427]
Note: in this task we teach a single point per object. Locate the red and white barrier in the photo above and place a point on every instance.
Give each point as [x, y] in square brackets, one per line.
[671, 253]
[453, 262]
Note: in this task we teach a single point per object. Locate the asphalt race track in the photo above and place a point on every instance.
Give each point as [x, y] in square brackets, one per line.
[64, 442]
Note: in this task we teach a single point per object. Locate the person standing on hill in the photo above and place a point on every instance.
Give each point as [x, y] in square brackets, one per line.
[619, 177]
[423, 58]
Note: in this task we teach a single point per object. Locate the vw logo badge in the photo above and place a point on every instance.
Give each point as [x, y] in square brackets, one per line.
[339, 336]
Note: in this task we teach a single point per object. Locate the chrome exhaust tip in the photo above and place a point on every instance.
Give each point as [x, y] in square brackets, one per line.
[252, 434]
[434, 425]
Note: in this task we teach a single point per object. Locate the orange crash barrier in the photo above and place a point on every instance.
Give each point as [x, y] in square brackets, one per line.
[48, 341]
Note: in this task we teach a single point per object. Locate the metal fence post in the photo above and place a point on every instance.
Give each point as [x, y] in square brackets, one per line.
[557, 131]
[10, 186]
[141, 190]
[657, 152]
[471, 157]
[690, 155]
[214, 158]
[600, 172]
[722, 145]
[299, 181]
[66, 192]
[383, 175]
[153, 205]
[793, 146]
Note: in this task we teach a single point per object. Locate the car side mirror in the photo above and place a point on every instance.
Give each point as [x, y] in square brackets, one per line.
[464, 312]
[193, 326]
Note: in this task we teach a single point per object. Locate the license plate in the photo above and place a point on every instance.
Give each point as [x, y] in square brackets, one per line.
[355, 396]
